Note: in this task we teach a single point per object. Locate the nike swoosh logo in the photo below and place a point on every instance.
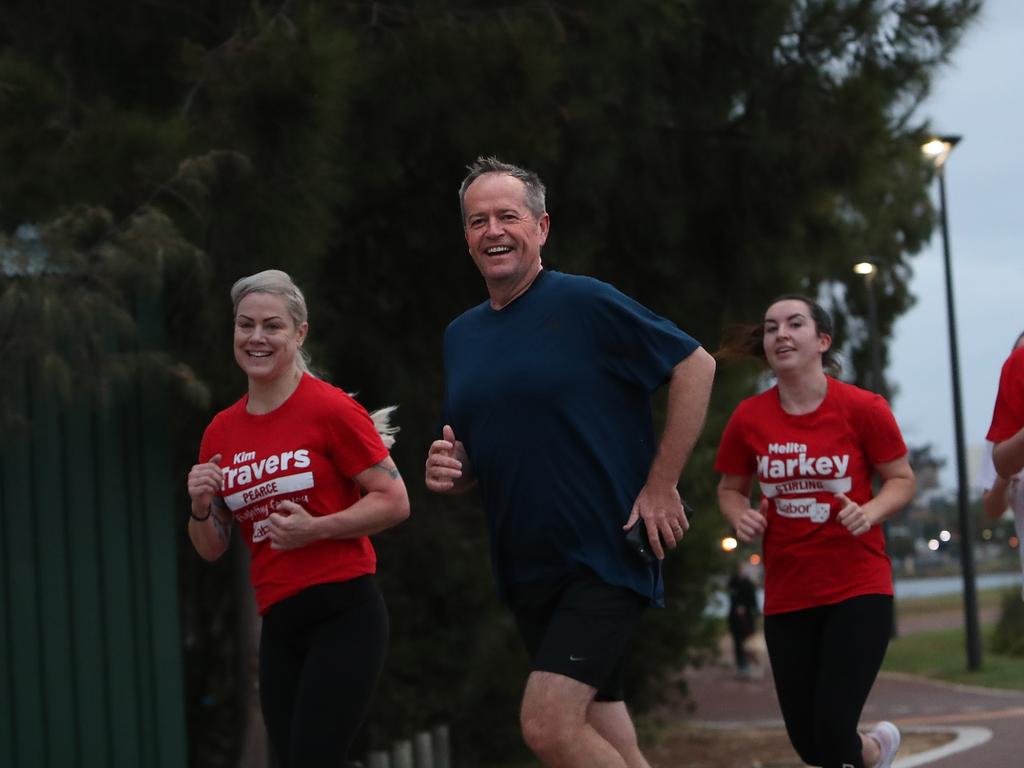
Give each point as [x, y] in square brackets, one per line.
[577, 658]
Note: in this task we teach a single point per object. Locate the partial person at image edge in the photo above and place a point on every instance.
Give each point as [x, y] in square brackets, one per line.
[999, 491]
[1007, 428]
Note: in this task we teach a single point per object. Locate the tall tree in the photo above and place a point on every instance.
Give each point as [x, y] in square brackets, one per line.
[702, 155]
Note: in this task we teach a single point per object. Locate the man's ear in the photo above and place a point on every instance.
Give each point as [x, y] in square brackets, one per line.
[544, 224]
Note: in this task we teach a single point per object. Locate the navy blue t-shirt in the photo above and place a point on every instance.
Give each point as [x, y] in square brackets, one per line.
[551, 396]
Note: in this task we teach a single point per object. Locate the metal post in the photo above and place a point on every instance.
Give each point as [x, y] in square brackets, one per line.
[442, 747]
[966, 538]
[401, 754]
[878, 385]
[422, 750]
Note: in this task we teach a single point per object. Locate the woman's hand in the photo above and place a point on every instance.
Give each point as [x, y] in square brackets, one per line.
[290, 526]
[852, 516]
[895, 493]
[734, 501]
[204, 482]
[209, 529]
[750, 523]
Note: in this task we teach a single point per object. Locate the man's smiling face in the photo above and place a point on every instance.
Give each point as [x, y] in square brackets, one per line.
[504, 237]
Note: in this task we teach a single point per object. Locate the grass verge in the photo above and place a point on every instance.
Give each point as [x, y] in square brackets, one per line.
[942, 653]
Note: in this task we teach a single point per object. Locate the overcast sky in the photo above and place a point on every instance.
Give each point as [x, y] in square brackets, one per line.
[978, 96]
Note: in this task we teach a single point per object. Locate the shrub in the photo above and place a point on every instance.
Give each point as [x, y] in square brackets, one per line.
[1008, 637]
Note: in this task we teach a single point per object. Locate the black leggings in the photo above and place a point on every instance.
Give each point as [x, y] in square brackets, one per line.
[824, 661]
[321, 652]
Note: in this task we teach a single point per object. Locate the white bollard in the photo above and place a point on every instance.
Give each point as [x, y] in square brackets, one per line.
[422, 750]
[401, 754]
[378, 759]
[442, 748]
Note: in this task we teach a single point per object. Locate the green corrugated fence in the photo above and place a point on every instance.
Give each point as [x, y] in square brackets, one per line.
[90, 652]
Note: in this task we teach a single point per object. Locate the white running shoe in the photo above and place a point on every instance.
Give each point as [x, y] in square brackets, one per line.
[888, 737]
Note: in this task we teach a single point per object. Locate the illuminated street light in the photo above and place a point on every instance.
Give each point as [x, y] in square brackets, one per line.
[870, 271]
[937, 150]
[729, 543]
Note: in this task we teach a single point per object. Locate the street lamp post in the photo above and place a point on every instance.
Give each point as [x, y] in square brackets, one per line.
[938, 150]
[870, 271]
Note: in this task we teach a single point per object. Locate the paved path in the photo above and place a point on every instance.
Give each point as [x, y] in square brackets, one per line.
[989, 723]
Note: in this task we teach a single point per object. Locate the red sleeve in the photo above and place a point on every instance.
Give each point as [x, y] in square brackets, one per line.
[207, 444]
[880, 434]
[734, 455]
[355, 444]
[1008, 414]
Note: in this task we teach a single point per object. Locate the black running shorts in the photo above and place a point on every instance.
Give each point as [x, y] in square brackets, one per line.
[580, 627]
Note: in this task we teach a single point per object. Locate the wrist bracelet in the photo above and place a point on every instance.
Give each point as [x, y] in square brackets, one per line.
[209, 511]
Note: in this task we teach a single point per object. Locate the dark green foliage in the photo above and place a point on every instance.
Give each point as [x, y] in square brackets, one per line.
[66, 301]
[1008, 636]
[701, 155]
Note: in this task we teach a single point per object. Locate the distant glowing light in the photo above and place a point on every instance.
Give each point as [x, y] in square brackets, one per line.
[864, 268]
[729, 543]
[945, 536]
[986, 534]
[1013, 542]
[933, 148]
[938, 149]
[755, 559]
[933, 545]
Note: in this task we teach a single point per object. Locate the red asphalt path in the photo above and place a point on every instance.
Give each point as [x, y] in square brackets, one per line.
[989, 723]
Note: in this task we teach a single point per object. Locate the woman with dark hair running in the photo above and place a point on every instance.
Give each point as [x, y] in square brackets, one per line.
[813, 443]
[304, 471]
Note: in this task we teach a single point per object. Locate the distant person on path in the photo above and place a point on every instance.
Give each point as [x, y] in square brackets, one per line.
[547, 408]
[302, 469]
[742, 618]
[812, 443]
[999, 492]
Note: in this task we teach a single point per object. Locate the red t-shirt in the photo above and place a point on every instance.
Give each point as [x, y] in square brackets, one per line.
[305, 451]
[801, 462]
[1008, 414]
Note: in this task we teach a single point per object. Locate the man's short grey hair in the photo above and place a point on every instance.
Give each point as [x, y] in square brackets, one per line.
[483, 165]
[276, 283]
